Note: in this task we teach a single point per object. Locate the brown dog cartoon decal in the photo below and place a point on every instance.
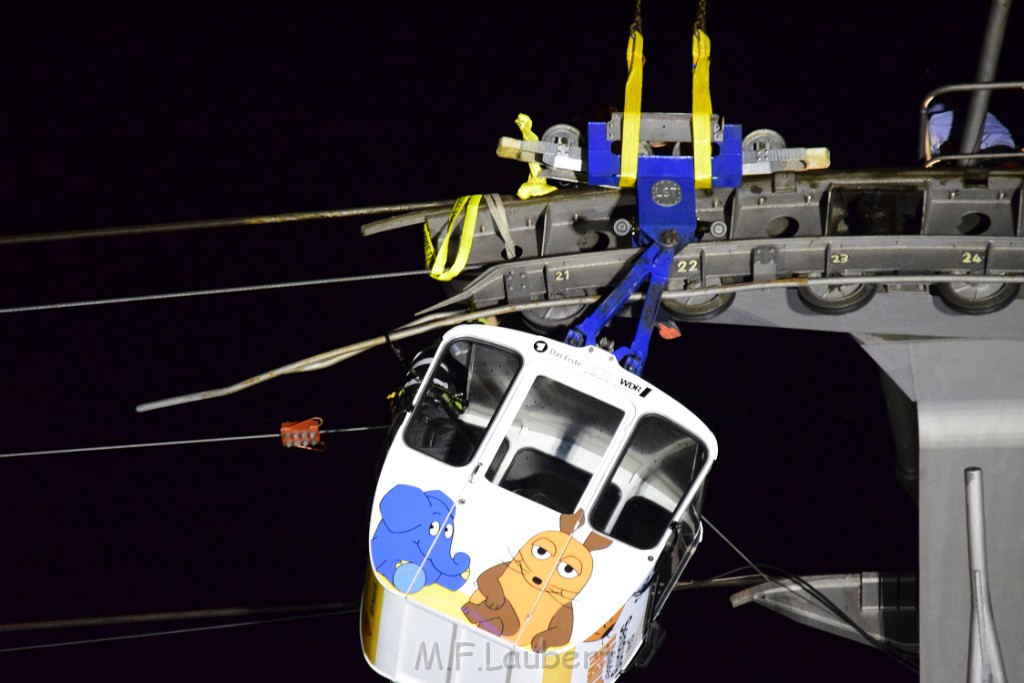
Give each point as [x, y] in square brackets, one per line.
[529, 599]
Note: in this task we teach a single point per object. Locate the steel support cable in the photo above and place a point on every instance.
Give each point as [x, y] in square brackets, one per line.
[906, 658]
[822, 600]
[436, 321]
[219, 223]
[179, 631]
[795, 282]
[208, 292]
[723, 580]
[186, 615]
[334, 356]
[183, 442]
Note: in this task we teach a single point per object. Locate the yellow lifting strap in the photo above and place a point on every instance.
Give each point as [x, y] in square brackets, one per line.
[701, 115]
[437, 265]
[535, 186]
[631, 112]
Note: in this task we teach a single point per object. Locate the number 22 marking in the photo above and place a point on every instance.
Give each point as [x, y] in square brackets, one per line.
[690, 266]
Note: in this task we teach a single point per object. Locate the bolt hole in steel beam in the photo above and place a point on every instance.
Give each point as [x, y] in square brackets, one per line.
[782, 226]
[518, 252]
[974, 223]
[593, 241]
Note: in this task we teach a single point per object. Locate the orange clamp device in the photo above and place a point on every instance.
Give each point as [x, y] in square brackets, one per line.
[305, 434]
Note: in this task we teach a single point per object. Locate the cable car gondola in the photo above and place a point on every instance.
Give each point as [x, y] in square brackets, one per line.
[535, 506]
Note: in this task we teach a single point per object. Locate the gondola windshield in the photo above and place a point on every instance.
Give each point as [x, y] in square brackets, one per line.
[459, 399]
[554, 445]
[651, 478]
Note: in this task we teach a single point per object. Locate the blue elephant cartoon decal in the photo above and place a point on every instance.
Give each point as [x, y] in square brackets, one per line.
[415, 523]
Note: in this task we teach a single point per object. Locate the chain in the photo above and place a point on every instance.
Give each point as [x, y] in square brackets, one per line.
[635, 28]
[702, 16]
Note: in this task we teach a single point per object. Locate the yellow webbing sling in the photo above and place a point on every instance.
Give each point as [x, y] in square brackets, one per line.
[701, 115]
[437, 268]
[631, 112]
[535, 186]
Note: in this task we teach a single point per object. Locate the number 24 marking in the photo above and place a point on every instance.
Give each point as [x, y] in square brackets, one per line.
[971, 257]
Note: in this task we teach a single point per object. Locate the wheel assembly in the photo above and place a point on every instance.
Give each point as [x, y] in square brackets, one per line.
[697, 308]
[977, 298]
[763, 139]
[836, 299]
[544, 320]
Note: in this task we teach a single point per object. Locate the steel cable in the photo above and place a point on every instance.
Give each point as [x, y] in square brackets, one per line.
[183, 226]
[183, 442]
[436, 321]
[195, 629]
[208, 292]
[815, 596]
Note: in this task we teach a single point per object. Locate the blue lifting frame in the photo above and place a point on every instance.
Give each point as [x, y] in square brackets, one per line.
[667, 208]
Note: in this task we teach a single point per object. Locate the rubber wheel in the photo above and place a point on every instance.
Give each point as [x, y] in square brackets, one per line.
[836, 299]
[697, 308]
[977, 299]
[544, 320]
[763, 139]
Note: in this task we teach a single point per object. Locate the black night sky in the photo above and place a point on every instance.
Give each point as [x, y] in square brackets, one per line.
[118, 115]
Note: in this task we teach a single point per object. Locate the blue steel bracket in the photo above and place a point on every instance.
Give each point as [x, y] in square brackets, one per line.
[667, 208]
[655, 263]
[665, 194]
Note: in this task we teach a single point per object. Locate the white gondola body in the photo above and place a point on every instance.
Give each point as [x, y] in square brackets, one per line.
[527, 550]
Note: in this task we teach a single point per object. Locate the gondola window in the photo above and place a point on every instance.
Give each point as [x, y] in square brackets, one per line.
[651, 479]
[459, 400]
[554, 445]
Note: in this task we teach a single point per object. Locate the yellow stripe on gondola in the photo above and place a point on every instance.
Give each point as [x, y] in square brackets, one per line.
[558, 667]
[373, 600]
